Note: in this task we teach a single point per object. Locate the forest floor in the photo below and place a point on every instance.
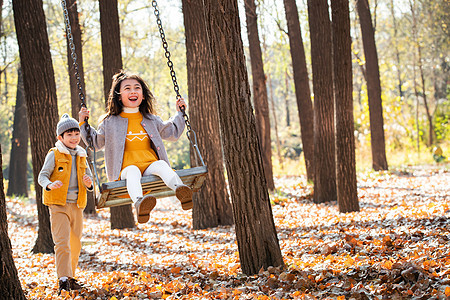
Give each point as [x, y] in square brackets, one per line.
[396, 247]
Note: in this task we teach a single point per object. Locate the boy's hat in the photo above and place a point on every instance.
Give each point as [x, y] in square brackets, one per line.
[65, 124]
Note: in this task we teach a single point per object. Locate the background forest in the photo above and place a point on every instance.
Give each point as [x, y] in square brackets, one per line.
[378, 74]
[412, 39]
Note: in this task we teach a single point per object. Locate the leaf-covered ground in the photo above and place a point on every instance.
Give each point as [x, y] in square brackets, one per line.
[396, 247]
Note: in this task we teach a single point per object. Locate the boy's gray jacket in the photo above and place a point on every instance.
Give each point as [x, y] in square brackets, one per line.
[112, 132]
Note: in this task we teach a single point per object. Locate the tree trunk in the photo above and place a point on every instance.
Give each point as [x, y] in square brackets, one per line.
[18, 163]
[260, 100]
[212, 206]
[40, 95]
[10, 287]
[75, 87]
[322, 67]
[416, 89]
[286, 98]
[121, 216]
[347, 194]
[255, 229]
[301, 81]
[379, 161]
[111, 49]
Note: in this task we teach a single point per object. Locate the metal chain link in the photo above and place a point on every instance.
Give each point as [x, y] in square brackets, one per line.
[170, 64]
[72, 50]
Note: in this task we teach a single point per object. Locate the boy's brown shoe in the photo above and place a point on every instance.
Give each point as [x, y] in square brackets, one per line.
[184, 194]
[63, 285]
[74, 285]
[144, 206]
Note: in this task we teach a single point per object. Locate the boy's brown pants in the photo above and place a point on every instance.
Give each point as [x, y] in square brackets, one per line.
[67, 227]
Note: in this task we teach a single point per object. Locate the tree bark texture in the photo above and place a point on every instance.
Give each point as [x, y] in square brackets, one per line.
[10, 287]
[260, 99]
[322, 67]
[40, 95]
[379, 161]
[18, 183]
[301, 82]
[76, 88]
[111, 49]
[212, 205]
[255, 229]
[347, 194]
[121, 216]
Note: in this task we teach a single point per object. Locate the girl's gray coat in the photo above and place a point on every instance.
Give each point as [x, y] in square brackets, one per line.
[112, 131]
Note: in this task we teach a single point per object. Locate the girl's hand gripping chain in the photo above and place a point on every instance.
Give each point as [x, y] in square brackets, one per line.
[83, 114]
[181, 104]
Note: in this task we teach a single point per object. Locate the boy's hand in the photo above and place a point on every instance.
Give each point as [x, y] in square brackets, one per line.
[55, 185]
[87, 180]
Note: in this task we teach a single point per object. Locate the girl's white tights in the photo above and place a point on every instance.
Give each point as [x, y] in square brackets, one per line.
[132, 176]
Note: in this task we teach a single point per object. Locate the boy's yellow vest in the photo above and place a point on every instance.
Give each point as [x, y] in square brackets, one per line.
[63, 167]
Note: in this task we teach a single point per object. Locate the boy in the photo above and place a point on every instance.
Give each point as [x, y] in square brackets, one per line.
[65, 178]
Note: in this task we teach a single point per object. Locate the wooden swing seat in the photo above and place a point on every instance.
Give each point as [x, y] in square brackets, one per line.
[115, 193]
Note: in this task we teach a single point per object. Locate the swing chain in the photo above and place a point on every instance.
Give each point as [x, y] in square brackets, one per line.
[170, 63]
[72, 50]
[75, 66]
[80, 88]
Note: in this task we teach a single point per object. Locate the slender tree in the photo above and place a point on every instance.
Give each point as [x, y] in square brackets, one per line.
[418, 62]
[10, 287]
[121, 216]
[301, 81]
[76, 75]
[260, 100]
[347, 194]
[287, 88]
[40, 95]
[212, 206]
[421, 73]
[397, 51]
[416, 89]
[18, 163]
[255, 229]
[275, 121]
[322, 68]
[379, 161]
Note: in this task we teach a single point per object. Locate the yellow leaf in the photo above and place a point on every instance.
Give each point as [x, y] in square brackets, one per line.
[348, 262]
[113, 298]
[388, 264]
[447, 291]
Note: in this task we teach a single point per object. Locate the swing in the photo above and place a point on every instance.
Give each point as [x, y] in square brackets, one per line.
[115, 193]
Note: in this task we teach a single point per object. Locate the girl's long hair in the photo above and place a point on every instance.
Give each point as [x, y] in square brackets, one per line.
[115, 106]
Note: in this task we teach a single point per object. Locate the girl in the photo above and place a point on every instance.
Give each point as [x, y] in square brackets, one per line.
[132, 137]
